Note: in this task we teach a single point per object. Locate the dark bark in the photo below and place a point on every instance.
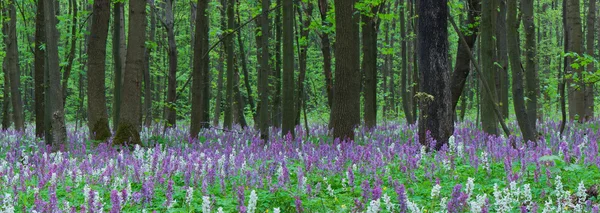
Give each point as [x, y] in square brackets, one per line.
[12, 64]
[489, 121]
[346, 99]
[436, 114]
[73, 45]
[326, 51]
[228, 120]
[589, 87]
[238, 104]
[118, 61]
[276, 74]
[404, 90]
[369, 66]
[303, 54]
[244, 63]
[575, 82]
[531, 74]
[264, 73]
[220, 67]
[129, 122]
[288, 116]
[39, 67]
[502, 59]
[97, 115]
[201, 85]
[147, 77]
[170, 105]
[6, 99]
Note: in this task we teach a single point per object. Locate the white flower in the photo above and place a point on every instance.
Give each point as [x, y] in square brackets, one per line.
[330, 190]
[387, 200]
[477, 204]
[470, 186]
[220, 209]
[205, 204]
[444, 204]
[252, 202]
[581, 194]
[86, 193]
[276, 210]
[189, 195]
[413, 207]
[7, 204]
[548, 207]
[485, 162]
[374, 206]
[435, 191]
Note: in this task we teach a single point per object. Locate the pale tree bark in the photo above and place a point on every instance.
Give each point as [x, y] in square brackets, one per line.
[56, 133]
[128, 130]
[345, 112]
[436, 114]
[96, 91]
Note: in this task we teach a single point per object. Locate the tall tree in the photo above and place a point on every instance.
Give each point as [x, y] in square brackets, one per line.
[12, 59]
[404, 90]
[73, 46]
[39, 67]
[201, 85]
[590, 48]
[577, 87]
[147, 77]
[129, 119]
[436, 110]
[118, 57]
[369, 64]
[263, 75]
[345, 113]
[302, 9]
[288, 69]
[169, 24]
[97, 114]
[228, 120]
[502, 58]
[276, 73]
[514, 53]
[532, 84]
[326, 51]
[489, 120]
[56, 133]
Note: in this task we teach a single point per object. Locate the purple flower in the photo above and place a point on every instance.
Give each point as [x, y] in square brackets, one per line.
[458, 201]
[401, 192]
[298, 203]
[377, 192]
[241, 199]
[169, 194]
[115, 201]
[366, 188]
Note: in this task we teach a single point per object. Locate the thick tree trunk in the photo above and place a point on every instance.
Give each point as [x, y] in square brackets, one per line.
[404, 90]
[590, 39]
[12, 59]
[512, 35]
[39, 67]
[263, 75]
[201, 85]
[117, 41]
[346, 99]
[577, 87]
[369, 66]
[532, 84]
[170, 105]
[489, 121]
[56, 134]
[436, 114]
[129, 122]
[502, 59]
[97, 115]
[288, 69]
[276, 74]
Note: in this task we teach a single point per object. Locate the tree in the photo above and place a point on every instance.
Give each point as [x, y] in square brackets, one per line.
[589, 87]
[147, 78]
[129, 119]
[435, 107]
[201, 85]
[263, 75]
[369, 64]
[514, 54]
[168, 23]
[118, 57]
[488, 119]
[326, 51]
[502, 83]
[56, 133]
[97, 114]
[404, 90]
[288, 69]
[532, 84]
[345, 112]
[228, 120]
[12, 62]
[577, 87]
[39, 67]
[276, 73]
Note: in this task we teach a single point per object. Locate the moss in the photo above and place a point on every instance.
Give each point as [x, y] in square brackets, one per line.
[100, 130]
[127, 134]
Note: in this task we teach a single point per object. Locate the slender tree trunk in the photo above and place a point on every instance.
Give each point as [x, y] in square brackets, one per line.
[346, 99]
[562, 81]
[238, 104]
[56, 134]
[577, 87]
[12, 58]
[245, 69]
[404, 88]
[326, 51]
[489, 120]
[512, 24]
[589, 87]
[369, 66]
[276, 74]
[220, 68]
[436, 114]
[6, 99]
[288, 69]
[71, 56]
[118, 61]
[171, 104]
[201, 84]
[39, 67]
[97, 115]
[303, 55]
[147, 77]
[502, 59]
[129, 122]
[228, 122]
[532, 84]
[263, 75]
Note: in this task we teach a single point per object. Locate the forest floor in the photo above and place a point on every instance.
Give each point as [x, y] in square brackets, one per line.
[385, 170]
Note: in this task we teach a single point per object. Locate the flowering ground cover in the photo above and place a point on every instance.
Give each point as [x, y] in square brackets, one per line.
[385, 170]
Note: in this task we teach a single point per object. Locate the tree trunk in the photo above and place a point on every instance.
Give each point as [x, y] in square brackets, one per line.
[118, 60]
[71, 56]
[12, 64]
[288, 69]
[6, 99]
[97, 115]
[512, 35]
[201, 84]
[147, 77]
[250, 97]
[303, 54]
[228, 121]
[532, 84]
[326, 51]
[589, 87]
[263, 75]
[436, 114]
[575, 82]
[489, 121]
[276, 78]
[238, 104]
[345, 112]
[171, 104]
[128, 129]
[404, 88]
[502, 59]
[39, 67]
[369, 66]
[56, 134]
[220, 67]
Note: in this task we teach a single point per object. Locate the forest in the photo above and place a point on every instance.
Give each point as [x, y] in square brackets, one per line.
[299, 106]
